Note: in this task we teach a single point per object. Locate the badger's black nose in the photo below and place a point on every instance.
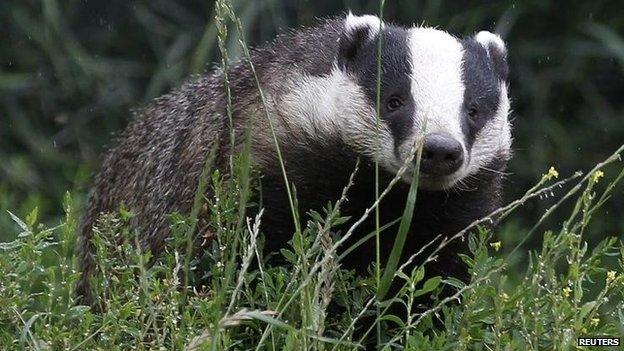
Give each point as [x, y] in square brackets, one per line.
[441, 155]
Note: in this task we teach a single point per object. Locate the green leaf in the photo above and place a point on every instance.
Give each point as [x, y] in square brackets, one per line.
[19, 222]
[392, 318]
[587, 307]
[467, 260]
[28, 326]
[289, 255]
[430, 285]
[454, 282]
[258, 315]
[11, 245]
[418, 275]
[31, 218]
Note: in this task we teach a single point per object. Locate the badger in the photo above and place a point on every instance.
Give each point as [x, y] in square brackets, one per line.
[318, 98]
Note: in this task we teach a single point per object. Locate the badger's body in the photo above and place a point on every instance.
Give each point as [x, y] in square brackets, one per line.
[320, 88]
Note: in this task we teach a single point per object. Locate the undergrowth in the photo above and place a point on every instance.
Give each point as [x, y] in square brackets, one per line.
[236, 299]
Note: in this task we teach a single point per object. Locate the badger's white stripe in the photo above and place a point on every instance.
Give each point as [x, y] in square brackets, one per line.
[437, 85]
[335, 105]
[438, 91]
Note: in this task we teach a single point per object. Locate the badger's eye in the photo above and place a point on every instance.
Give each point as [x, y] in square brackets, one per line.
[473, 113]
[394, 103]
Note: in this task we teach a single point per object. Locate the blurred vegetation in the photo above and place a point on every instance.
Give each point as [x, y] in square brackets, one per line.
[71, 72]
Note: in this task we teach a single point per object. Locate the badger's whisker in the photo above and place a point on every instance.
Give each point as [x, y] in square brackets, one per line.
[495, 171]
[464, 185]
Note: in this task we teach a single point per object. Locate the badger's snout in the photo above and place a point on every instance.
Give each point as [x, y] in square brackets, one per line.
[441, 155]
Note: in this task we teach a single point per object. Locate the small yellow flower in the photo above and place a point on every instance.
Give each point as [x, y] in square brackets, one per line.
[504, 297]
[594, 322]
[496, 246]
[566, 291]
[552, 173]
[611, 276]
[597, 175]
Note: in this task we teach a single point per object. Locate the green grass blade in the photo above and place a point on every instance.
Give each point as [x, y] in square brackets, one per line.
[366, 238]
[399, 242]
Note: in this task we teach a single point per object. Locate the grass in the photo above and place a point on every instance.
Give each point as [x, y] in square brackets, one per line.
[69, 80]
[228, 296]
[243, 302]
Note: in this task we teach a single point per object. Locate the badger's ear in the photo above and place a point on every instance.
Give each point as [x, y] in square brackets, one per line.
[357, 31]
[497, 52]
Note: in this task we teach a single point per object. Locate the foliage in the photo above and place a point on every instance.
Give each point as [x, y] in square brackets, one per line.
[71, 72]
[245, 302]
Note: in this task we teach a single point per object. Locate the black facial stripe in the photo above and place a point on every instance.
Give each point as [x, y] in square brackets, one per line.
[482, 88]
[396, 73]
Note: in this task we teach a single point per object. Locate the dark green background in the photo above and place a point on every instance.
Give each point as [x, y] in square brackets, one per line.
[71, 71]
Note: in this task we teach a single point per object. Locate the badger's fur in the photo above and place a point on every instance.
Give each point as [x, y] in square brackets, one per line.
[320, 89]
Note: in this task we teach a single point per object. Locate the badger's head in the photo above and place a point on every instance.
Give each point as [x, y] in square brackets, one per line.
[453, 91]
